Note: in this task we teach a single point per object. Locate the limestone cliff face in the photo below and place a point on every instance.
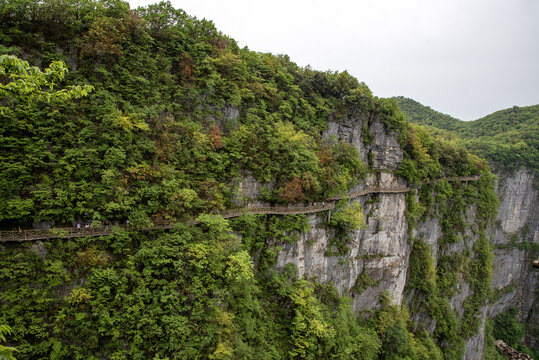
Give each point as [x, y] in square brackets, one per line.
[381, 252]
[514, 281]
[516, 233]
[383, 152]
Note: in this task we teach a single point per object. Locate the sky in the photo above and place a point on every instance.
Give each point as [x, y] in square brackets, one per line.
[465, 58]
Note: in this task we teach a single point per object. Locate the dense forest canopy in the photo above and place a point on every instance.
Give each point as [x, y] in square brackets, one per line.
[508, 138]
[173, 115]
[154, 139]
[178, 113]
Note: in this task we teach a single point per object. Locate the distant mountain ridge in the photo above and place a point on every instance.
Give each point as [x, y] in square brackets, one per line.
[421, 114]
[508, 138]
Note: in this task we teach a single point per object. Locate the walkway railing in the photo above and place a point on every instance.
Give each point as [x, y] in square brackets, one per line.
[67, 233]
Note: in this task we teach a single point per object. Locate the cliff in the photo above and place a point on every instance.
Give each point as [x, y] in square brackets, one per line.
[508, 140]
[516, 237]
[380, 251]
[180, 125]
[380, 254]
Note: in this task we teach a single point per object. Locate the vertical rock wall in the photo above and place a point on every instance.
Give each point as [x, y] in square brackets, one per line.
[516, 234]
[381, 251]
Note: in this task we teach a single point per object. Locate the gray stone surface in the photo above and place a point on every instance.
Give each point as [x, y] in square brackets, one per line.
[476, 344]
[509, 267]
[518, 199]
[517, 223]
[381, 250]
[385, 148]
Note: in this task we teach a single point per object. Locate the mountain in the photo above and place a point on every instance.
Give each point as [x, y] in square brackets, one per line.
[508, 138]
[167, 194]
[418, 113]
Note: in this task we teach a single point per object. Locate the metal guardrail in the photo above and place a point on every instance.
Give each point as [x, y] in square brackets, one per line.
[67, 233]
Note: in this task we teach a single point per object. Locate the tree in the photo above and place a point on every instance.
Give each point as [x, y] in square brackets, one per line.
[6, 352]
[21, 82]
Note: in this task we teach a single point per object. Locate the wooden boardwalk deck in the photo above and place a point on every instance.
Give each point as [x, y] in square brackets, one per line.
[68, 233]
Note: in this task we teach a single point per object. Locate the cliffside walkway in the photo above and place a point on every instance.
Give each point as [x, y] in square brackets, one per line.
[68, 233]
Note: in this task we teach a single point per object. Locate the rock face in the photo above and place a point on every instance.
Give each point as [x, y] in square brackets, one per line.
[383, 152]
[381, 252]
[476, 344]
[518, 199]
[514, 280]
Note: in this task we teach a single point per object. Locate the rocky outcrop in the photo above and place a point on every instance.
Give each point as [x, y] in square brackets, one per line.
[517, 213]
[514, 279]
[381, 251]
[382, 152]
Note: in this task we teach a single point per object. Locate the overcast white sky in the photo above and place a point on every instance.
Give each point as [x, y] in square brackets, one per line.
[466, 58]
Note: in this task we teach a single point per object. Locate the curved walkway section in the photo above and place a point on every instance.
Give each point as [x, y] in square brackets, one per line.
[67, 233]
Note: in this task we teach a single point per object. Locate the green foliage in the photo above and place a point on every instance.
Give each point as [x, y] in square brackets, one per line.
[508, 138]
[398, 340]
[346, 217]
[263, 234]
[308, 328]
[187, 293]
[429, 157]
[363, 282]
[422, 270]
[424, 115]
[508, 328]
[491, 352]
[26, 83]
[179, 111]
[431, 286]
[414, 210]
[427, 282]
[366, 135]
[145, 295]
[6, 352]
[391, 115]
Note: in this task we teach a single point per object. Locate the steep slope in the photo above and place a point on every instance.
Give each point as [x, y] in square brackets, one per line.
[182, 125]
[509, 140]
[420, 114]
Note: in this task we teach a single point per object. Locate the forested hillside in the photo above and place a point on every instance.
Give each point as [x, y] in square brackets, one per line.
[509, 138]
[173, 115]
[151, 141]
